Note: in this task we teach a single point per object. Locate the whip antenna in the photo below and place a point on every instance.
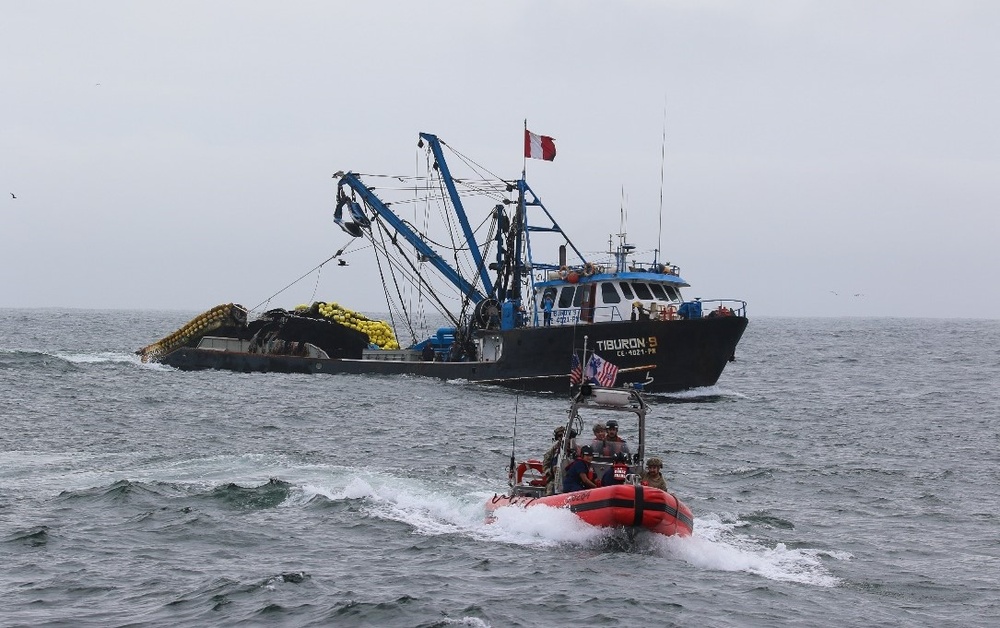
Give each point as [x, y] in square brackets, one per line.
[513, 443]
[663, 158]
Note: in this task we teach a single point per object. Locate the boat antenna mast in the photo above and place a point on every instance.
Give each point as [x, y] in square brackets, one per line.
[663, 158]
[513, 444]
[624, 249]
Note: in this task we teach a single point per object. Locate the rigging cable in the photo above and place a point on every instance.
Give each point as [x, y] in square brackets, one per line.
[307, 273]
[419, 278]
[395, 283]
[385, 288]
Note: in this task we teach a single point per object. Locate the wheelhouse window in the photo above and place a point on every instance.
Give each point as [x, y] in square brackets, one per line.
[642, 291]
[566, 296]
[658, 292]
[580, 291]
[675, 294]
[626, 290]
[609, 293]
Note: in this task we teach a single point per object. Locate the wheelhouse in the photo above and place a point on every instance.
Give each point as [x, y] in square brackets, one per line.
[603, 297]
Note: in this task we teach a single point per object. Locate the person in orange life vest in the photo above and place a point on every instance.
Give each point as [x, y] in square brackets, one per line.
[615, 443]
[580, 474]
[616, 472]
[653, 477]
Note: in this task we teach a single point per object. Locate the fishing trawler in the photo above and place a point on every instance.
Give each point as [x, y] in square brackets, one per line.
[512, 320]
[624, 502]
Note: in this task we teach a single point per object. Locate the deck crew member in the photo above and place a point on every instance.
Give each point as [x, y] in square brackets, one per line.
[617, 472]
[580, 474]
[549, 459]
[599, 444]
[551, 456]
[615, 443]
[639, 312]
[653, 477]
[427, 354]
[547, 303]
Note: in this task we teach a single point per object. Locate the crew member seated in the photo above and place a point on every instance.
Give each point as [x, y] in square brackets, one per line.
[599, 443]
[580, 474]
[617, 472]
[613, 442]
[653, 476]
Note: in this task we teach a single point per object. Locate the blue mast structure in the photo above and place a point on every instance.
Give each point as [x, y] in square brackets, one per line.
[510, 299]
[352, 181]
[470, 237]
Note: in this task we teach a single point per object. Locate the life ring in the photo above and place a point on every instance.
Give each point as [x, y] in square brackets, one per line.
[534, 465]
[589, 269]
[563, 272]
[669, 313]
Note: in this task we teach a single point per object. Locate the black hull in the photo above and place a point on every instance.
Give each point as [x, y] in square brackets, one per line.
[666, 356]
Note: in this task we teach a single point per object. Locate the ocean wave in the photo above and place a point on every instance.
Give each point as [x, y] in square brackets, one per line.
[261, 497]
[716, 545]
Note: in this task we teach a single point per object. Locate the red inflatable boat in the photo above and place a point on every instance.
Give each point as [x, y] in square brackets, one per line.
[621, 505]
[631, 504]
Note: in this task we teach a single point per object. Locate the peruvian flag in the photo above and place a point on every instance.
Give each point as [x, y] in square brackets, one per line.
[539, 146]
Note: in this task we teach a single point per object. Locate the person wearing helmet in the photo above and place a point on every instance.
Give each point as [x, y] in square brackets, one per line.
[552, 455]
[617, 472]
[580, 474]
[653, 477]
[614, 442]
[549, 458]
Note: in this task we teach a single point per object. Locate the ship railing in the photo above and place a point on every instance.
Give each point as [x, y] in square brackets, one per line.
[653, 267]
[711, 308]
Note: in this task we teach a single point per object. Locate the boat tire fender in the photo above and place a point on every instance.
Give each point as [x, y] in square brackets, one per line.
[589, 269]
[563, 272]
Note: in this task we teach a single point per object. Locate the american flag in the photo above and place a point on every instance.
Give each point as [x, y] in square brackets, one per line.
[575, 370]
[601, 372]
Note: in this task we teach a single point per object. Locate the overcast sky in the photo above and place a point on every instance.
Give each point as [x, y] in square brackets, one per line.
[822, 158]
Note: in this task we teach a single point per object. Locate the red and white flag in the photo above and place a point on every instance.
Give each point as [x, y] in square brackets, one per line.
[539, 146]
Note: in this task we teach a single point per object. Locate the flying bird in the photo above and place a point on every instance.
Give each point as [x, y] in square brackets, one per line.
[342, 262]
[12, 195]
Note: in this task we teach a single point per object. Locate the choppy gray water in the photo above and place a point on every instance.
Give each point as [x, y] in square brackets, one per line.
[843, 472]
